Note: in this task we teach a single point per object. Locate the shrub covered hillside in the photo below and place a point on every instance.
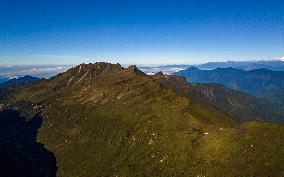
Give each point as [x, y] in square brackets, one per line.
[105, 120]
[263, 83]
[235, 103]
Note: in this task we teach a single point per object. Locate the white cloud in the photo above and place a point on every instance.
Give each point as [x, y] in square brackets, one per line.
[165, 70]
[281, 58]
[42, 70]
[37, 71]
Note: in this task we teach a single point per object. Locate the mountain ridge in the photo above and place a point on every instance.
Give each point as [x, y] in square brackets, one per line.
[275, 65]
[262, 83]
[22, 80]
[237, 104]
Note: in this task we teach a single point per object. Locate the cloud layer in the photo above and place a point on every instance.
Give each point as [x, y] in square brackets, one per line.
[36, 71]
[281, 58]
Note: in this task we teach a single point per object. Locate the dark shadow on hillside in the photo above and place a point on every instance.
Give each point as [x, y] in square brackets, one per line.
[20, 153]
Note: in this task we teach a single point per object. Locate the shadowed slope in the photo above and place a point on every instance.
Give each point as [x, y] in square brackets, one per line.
[21, 154]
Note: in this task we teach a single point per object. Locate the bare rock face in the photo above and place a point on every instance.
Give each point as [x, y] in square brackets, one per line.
[95, 68]
[88, 72]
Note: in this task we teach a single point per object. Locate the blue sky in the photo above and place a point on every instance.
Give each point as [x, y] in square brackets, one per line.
[140, 32]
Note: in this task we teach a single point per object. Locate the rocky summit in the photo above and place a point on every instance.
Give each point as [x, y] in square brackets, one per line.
[105, 120]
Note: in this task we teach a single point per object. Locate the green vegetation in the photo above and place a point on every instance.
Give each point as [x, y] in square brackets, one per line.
[104, 120]
[262, 83]
[237, 104]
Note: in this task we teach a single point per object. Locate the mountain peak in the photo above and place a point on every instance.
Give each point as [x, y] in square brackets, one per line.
[193, 68]
[159, 74]
[98, 66]
[86, 73]
[134, 69]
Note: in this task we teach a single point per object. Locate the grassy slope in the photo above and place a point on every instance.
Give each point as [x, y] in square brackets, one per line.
[119, 122]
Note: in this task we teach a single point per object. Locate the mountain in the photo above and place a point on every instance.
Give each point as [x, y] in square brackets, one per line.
[22, 80]
[105, 120]
[8, 87]
[263, 83]
[232, 102]
[3, 80]
[274, 65]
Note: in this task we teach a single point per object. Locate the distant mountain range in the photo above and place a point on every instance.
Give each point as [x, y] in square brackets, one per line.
[107, 120]
[9, 86]
[47, 71]
[262, 83]
[4, 79]
[22, 80]
[274, 65]
[40, 71]
[232, 102]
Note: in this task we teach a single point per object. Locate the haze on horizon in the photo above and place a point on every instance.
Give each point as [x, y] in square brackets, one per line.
[140, 32]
